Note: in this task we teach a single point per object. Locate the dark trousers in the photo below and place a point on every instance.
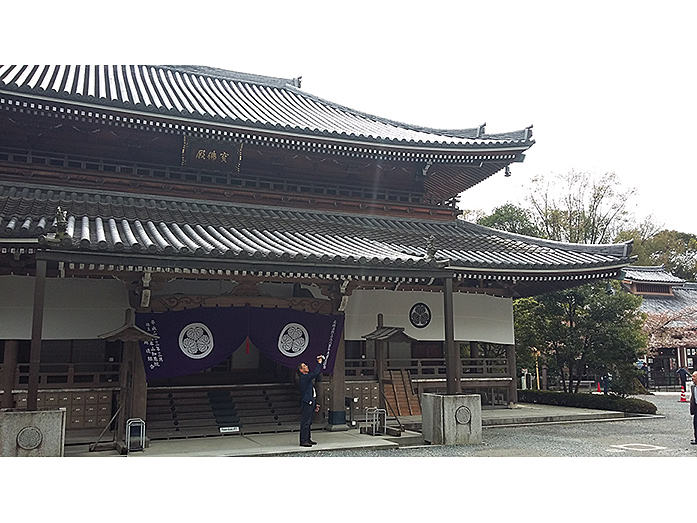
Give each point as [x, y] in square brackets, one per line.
[307, 412]
[694, 425]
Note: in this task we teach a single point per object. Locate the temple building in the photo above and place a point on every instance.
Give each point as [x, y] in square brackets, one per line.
[670, 304]
[175, 240]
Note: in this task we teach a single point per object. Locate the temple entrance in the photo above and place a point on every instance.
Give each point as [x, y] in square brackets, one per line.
[247, 365]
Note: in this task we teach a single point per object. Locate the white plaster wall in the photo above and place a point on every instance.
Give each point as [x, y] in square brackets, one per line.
[477, 317]
[74, 308]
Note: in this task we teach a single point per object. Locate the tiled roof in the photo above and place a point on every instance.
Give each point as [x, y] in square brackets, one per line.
[248, 101]
[655, 274]
[684, 297]
[159, 227]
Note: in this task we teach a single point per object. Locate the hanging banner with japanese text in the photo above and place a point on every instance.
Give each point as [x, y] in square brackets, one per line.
[193, 340]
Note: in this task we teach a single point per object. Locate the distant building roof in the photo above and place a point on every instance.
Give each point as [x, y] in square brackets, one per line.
[653, 274]
[683, 297]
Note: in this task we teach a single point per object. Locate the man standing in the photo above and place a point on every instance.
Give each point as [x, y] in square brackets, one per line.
[693, 407]
[308, 400]
[682, 376]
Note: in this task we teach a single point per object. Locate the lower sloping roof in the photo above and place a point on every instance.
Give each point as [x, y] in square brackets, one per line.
[158, 228]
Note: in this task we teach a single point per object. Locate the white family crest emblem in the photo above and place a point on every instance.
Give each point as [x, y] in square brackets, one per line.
[196, 340]
[293, 340]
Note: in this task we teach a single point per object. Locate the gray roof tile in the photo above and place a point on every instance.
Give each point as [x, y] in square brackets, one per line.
[227, 97]
[102, 221]
[684, 299]
[654, 274]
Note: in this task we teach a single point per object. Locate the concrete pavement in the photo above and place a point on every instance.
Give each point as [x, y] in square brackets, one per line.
[287, 442]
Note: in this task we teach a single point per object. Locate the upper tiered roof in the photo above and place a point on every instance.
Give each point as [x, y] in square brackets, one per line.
[243, 100]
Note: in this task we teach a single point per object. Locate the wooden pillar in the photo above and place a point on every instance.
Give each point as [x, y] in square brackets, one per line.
[682, 357]
[9, 373]
[513, 386]
[337, 409]
[125, 390]
[134, 389]
[453, 366]
[36, 333]
[139, 405]
[381, 369]
[381, 365]
[474, 357]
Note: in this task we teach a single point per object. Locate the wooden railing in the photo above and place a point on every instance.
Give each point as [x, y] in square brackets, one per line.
[431, 367]
[66, 375]
[360, 367]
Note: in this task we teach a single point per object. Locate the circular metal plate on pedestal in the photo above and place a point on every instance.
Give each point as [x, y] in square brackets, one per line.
[463, 415]
[29, 438]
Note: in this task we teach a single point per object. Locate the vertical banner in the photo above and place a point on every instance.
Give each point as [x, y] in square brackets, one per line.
[292, 337]
[191, 340]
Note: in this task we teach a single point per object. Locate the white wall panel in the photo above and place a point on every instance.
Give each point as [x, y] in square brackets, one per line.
[74, 308]
[478, 317]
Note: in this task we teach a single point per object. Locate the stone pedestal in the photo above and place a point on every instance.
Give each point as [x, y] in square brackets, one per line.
[34, 433]
[451, 419]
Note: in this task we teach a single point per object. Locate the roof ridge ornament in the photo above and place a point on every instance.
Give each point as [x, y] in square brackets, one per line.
[528, 132]
[431, 249]
[61, 223]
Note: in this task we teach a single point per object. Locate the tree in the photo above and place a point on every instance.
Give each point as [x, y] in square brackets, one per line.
[583, 330]
[677, 251]
[584, 208]
[511, 218]
[671, 329]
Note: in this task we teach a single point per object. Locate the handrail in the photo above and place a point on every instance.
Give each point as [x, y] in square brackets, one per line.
[424, 367]
[61, 375]
[401, 427]
[94, 445]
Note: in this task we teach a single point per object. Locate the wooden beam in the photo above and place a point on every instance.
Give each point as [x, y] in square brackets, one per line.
[36, 334]
[9, 373]
[453, 366]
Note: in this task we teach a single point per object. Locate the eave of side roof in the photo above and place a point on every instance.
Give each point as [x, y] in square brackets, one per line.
[650, 274]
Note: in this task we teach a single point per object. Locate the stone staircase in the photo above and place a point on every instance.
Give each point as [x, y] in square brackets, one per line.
[184, 412]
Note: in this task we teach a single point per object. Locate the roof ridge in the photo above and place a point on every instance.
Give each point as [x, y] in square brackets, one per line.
[226, 74]
[611, 248]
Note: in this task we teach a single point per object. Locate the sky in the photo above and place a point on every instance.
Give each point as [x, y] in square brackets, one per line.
[608, 86]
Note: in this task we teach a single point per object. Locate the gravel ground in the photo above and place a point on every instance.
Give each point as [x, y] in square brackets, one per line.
[666, 435]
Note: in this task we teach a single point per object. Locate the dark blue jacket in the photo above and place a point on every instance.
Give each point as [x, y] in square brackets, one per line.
[305, 382]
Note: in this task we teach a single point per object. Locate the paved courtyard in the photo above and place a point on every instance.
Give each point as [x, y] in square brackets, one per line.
[666, 435]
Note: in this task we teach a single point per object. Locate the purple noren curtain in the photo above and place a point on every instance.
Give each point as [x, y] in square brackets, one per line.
[196, 339]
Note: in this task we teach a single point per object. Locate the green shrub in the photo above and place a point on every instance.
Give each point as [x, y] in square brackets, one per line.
[587, 401]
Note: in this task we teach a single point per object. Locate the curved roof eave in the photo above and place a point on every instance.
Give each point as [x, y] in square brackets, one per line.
[150, 94]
